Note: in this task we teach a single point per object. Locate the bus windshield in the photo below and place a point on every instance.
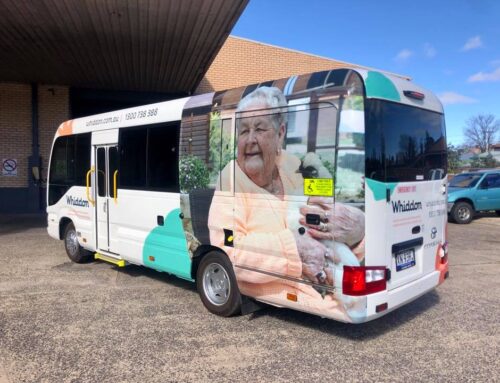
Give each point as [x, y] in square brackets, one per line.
[404, 143]
[465, 180]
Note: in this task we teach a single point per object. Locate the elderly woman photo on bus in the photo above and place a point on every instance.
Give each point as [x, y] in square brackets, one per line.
[264, 174]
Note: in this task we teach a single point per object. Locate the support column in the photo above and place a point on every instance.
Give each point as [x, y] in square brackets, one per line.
[34, 162]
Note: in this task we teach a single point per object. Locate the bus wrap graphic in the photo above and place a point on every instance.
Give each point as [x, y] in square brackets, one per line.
[404, 206]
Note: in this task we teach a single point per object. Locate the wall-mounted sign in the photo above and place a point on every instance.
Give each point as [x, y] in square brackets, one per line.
[9, 167]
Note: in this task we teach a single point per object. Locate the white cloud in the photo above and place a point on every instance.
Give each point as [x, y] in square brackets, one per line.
[404, 55]
[495, 63]
[473, 43]
[485, 77]
[450, 98]
[429, 50]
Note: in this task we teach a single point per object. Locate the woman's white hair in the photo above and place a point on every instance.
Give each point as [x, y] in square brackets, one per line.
[272, 98]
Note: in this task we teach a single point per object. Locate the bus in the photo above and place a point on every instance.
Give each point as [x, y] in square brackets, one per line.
[325, 193]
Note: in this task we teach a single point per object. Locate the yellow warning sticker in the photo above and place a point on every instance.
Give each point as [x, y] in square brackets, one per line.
[318, 187]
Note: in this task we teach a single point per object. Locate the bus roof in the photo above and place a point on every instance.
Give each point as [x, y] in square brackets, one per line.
[378, 85]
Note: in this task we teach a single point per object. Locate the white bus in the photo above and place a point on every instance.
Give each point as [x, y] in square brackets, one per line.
[325, 193]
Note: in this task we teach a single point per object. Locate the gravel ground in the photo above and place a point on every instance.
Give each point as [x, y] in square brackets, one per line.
[63, 322]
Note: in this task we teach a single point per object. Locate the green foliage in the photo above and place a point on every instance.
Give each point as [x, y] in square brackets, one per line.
[484, 162]
[454, 163]
[220, 146]
[354, 102]
[329, 166]
[193, 174]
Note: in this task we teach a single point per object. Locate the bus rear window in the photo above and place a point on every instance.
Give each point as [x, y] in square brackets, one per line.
[404, 143]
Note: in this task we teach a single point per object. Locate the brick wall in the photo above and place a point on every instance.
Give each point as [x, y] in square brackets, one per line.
[241, 62]
[15, 130]
[53, 108]
[15, 125]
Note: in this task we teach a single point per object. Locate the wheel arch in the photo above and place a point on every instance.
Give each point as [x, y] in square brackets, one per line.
[198, 255]
[465, 199]
[65, 221]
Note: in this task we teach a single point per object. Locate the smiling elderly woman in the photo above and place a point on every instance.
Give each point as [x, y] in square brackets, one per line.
[265, 247]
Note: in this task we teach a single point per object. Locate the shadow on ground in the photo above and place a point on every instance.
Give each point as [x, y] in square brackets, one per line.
[17, 223]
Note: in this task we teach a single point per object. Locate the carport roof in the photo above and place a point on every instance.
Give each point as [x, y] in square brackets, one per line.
[142, 45]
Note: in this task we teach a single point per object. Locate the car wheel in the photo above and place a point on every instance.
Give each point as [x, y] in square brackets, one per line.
[462, 212]
[217, 285]
[75, 252]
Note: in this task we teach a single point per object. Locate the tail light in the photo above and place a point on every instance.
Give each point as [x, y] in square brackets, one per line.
[359, 280]
[443, 252]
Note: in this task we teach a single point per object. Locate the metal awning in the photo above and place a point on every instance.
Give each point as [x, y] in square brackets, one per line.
[142, 45]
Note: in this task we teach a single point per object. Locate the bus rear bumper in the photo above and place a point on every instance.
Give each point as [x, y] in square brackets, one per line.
[401, 295]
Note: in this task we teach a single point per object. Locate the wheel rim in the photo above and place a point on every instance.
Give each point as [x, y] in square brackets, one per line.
[71, 242]
[463, 213]
[216, 284]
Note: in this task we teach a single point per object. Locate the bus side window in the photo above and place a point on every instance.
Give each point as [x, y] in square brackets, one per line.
[69, 164]
[163, 158]
[227, 153]
[221, 152]
[133, 158]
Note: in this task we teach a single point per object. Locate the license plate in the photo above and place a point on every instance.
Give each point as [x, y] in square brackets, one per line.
[405, 259]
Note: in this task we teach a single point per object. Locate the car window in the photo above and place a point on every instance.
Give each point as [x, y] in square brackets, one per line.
[465, 180]
[491, 181]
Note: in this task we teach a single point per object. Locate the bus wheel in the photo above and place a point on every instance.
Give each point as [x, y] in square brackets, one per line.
[462, 212]
[217, 285]
[498, 212]
[75, 252]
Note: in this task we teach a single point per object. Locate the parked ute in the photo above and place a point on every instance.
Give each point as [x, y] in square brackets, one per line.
[472, 192]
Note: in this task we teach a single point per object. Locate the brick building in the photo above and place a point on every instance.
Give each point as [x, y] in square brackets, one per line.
[31, 110]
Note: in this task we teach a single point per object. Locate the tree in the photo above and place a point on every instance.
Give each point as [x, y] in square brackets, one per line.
[481, 131]
[454, 162]
[485, 162]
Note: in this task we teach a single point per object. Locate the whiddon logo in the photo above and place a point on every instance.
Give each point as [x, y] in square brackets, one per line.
[404, 206]
[76, 201]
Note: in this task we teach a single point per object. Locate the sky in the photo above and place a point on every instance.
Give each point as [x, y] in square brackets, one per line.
[450, 47]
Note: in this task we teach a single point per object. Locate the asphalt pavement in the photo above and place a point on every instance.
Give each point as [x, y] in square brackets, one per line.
[64, 322]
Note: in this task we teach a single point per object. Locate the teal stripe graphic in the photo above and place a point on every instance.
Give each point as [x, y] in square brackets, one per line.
[167, 244]
[380, 86]
[379, 188]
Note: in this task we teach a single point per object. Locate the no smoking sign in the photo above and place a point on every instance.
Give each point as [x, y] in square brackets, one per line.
[9, 167]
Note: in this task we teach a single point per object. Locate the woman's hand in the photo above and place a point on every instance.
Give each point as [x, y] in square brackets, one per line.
[312, 254]
[339, 222]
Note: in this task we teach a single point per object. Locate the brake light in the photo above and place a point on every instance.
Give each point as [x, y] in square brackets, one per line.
[359, 280]
[413, 94]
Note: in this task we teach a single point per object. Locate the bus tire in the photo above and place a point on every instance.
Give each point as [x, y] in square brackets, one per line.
[462, 212]
[73, 249]
[498, 212]
[216, 284]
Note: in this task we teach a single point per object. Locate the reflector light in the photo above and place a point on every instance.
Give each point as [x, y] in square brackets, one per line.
[359, 280]
[291, 297]
[413, 94]
[380, 308]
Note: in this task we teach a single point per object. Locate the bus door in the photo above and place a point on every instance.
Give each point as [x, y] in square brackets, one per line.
[106, 177]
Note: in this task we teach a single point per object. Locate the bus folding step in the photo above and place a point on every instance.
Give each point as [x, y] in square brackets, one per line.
[106, 258]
